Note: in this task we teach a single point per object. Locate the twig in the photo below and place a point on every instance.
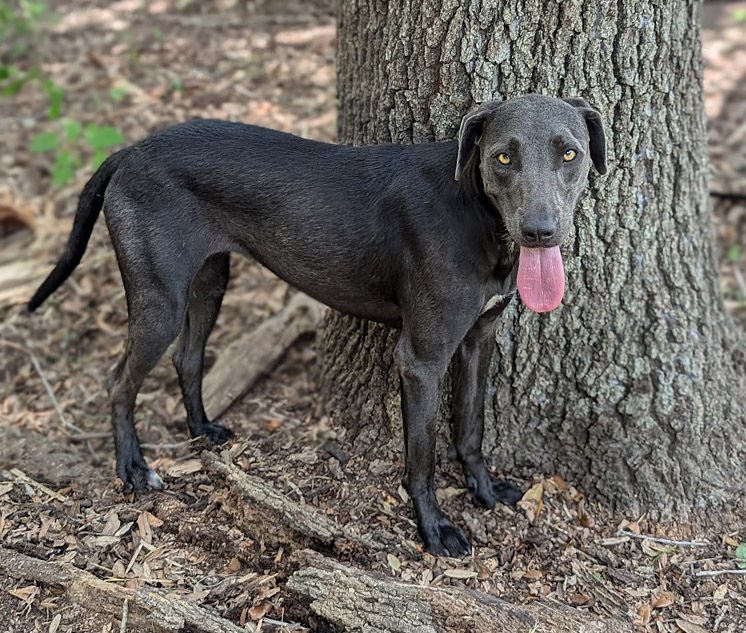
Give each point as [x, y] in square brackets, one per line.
[44, 381]
[138, 549]
[157, 447]
[664, 541]
[721, 572]
[125, 611]
[84, 437]
[20, 475]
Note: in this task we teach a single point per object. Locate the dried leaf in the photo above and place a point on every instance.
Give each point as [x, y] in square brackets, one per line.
[688, 627]
[154, 521]
[187, 467]
[483, 572]
[532, 574]
[664, 599]
[721, 591]
[532, 502]
[55, 623]
[394, 563]
[579, 599]
[534, 493]
[234, 566]
[143, 527]
[25, 593]
[427, 577]
[112, 524]
[124, 529]
[258, 611]
[729, 540]
[644, 613]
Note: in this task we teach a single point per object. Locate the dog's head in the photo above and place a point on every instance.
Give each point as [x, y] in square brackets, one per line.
[531, 156]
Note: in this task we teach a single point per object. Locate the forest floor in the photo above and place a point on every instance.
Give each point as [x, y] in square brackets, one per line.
[141, 66]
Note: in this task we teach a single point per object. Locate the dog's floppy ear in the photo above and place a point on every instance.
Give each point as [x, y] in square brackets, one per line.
[469, 134]
[596, 134]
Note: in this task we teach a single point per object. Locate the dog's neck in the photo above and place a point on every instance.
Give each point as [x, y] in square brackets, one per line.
[498, 243]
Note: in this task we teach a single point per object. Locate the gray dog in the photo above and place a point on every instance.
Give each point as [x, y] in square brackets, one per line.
[430, 238]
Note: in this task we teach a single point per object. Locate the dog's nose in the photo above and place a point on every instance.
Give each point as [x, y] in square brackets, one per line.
[538, 231]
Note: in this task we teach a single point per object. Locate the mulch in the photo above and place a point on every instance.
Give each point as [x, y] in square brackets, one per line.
[272, 64]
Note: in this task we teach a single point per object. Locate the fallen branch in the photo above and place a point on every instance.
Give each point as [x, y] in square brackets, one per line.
[270, 509]
[268, 514]
[256, 352]
[144, 609]
[355, 600]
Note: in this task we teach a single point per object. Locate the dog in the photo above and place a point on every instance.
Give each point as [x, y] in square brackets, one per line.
[433, 239]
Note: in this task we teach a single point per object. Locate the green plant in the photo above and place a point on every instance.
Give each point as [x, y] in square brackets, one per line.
[741, 556]
[19, 22]
[70, 143]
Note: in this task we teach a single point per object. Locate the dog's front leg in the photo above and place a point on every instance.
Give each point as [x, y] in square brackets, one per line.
[421, 376]
[471, 364]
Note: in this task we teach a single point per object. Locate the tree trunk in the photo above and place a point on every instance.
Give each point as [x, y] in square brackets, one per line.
[634, 387]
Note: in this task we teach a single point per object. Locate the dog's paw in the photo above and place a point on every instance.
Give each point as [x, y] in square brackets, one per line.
[138, 478]
[506, 492]
[216, 433]
[488, 492]
[445, 539]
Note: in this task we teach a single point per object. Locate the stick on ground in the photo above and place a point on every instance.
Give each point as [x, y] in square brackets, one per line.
[353, 600]
[256, 352]
[147, 609]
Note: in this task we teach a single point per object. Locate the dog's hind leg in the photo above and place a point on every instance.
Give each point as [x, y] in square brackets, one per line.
[205, 297]
[156, 306]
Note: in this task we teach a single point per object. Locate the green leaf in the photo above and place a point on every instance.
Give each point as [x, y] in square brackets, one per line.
[739, 15]
[117, 93]
[741, 552]
[18, 49]
[14, 87]
[63, 168]
[72, 128]
[734, 253]
[34, 9]
[98, 157]
[56, 96]
[102, 137]
[45, 142]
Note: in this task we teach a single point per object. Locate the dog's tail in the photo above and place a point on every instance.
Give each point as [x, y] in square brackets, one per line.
[89, 206]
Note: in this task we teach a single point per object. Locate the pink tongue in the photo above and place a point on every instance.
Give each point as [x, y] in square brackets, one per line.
[541, 278]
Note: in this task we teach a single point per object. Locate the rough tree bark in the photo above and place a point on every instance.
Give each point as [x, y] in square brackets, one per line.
[634, 386]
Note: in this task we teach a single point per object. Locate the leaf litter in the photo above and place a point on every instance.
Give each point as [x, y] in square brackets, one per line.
[213, 59]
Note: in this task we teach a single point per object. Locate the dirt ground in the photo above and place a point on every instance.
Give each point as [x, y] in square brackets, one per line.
[272, 63]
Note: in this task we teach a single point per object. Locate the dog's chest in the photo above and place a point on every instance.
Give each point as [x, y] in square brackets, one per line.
[501, 285]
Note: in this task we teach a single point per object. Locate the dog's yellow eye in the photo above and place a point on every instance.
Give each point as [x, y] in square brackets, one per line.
[503, 159]
[569, 155]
